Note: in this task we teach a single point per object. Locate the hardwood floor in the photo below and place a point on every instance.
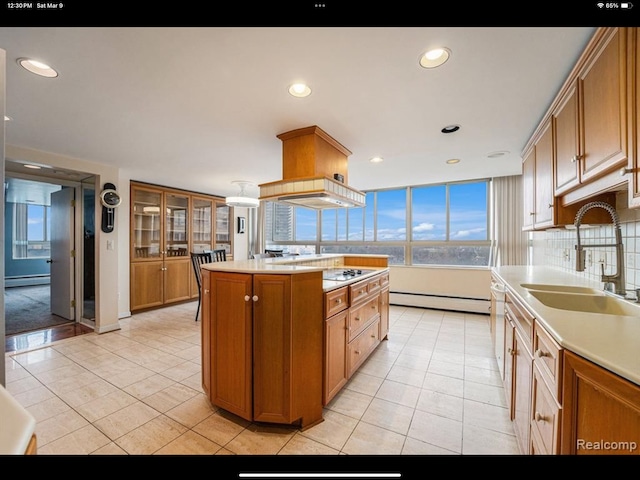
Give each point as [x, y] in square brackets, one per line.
[39, 338]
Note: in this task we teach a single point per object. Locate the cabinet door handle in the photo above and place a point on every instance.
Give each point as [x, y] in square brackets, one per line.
[206, 292]
[247, 298]
[511, 351]
[357, 352]
[373, 306]
[540, 353]
[540, 418]
[357, 319]
[254, 298]
[575, 158]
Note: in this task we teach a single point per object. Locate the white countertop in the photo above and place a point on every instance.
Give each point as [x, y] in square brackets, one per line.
[611, 341]
[17, 425]
[293, 264]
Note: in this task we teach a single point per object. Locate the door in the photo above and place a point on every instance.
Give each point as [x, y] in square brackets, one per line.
[62, 258]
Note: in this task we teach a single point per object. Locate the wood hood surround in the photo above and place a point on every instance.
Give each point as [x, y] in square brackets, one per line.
[314, 172]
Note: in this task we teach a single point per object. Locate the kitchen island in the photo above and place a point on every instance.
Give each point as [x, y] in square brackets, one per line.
[279, 340]
[571, 367]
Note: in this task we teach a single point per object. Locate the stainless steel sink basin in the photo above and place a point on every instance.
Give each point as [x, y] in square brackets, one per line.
[559, 288]
[584, 302]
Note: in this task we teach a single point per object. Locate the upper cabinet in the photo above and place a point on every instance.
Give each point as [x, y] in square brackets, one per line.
[603, 92]
[633, 171]
[582, 141]
[537, 184]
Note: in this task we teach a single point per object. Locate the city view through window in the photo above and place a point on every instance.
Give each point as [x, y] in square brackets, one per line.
[445, 224]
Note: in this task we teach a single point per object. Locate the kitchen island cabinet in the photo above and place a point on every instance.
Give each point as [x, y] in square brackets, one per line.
[265, 346]
[276, 343]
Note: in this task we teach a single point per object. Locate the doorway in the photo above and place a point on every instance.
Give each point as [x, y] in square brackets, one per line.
[34, 302]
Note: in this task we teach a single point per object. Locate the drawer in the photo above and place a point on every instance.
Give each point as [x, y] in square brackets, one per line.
[547, 355]
[361, 316]
[362, 346]
[374, 284]
[358, 292]
[545, 416]
[521, 317]
[335, 301]
[384, 279]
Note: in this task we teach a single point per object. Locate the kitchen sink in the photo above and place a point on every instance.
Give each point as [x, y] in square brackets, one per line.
[584, 302]
[559, 288]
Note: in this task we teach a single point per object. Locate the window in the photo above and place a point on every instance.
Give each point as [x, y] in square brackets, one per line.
[31, 231]
[449, 224]
[444, 224]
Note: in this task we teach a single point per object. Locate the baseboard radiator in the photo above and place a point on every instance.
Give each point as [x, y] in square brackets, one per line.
[440, 302]
[27, 281]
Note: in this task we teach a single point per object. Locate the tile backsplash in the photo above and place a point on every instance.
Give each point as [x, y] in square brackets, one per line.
[556, 247]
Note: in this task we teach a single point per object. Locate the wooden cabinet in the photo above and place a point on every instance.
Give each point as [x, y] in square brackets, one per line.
[546, 393]
[603, 94]
[582, 141]
[591, 119]
[356, 321]
[633, 164]
[545, 418]
[518, 373]
[560, 402]
[542, 207]
[601, 410]
[538, 183]
[166, 225]
[567, 141]
[266, 346]
[335, 354]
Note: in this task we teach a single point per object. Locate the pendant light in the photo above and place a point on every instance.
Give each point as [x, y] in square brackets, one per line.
[242, 200]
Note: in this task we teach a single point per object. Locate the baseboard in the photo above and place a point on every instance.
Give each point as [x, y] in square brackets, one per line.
[27, 281]
[440, 302]
[124, 315]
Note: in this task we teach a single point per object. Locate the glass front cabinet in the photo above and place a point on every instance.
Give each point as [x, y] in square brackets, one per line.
[166, 226]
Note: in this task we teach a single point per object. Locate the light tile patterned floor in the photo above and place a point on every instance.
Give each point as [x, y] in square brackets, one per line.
[432, 388]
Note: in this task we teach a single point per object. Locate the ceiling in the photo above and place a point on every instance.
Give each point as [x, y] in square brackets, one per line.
[200, 107]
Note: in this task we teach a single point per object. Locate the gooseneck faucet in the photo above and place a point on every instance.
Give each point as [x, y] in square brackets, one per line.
[617, 279]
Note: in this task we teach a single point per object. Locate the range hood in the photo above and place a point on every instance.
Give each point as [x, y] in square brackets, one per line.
[314, 172]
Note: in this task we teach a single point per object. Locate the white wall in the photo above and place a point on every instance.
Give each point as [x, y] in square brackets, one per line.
[448, 288]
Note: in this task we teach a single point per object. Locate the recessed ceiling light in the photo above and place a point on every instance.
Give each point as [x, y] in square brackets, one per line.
[376, 159]
[300, 90]
[453, 161]
[35, 167]
[500, 153]
[7, 118]
[434, 58]
[450, 128]
[37, 67]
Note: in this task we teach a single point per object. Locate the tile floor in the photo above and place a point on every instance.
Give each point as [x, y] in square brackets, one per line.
[432, 388]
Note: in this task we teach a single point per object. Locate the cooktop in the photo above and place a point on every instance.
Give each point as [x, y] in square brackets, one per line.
[343, 274]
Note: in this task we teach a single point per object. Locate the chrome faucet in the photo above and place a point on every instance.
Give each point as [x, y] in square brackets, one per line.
[618, 278]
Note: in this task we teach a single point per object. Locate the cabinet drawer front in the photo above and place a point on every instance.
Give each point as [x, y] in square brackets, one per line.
[384, 280]
[547, 355]
[360, 317]
[545, 415]
[358, 292]
[360, 348]
[335, 301]
[522, 319]
[374, 284]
